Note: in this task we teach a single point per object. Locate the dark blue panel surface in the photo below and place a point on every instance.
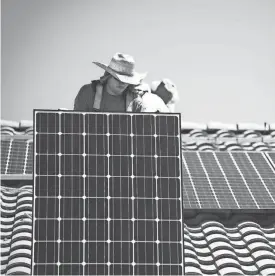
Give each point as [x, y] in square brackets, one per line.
[107, 194]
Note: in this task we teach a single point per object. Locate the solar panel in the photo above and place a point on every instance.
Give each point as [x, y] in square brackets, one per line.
[254, 175]
[29, 161]
[265, 171]
[107, 194]
[227, 180]
[271, 157]
[16, 153]
[5, 148]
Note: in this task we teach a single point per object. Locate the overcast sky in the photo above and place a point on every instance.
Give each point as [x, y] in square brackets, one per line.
[219, 53]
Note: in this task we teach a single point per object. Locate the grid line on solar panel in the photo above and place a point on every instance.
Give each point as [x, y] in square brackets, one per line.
[142, 195]
[105, 155]
[270, 182]
[232, 188]
[13, 156]
[29, 164]
[235, 180]
[261, 164]
[117, 197]
[109, 219]
[265, 196]
[271, 157]
[234, 202]
[191, 195]
[257, 186]
[26, 157]
[59, 199]
[244, 165]
[213, 191]
[221, 184]
[106, 134]
[113, 176]
[5, 153]
[84, 193]
[241, 174]
[199, 181]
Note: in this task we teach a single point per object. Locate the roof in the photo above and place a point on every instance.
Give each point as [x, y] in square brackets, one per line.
[16, 228]
[241, 244]
[212, 248]
[221, 243]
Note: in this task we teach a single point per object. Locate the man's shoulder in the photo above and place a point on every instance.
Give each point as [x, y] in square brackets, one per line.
[88, 88]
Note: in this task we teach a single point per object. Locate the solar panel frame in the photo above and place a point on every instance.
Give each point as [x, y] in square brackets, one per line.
[160, 267]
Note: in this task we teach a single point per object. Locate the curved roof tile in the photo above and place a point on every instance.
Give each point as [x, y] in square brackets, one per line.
[12, 124]
[205, 146]
[224, 134]
[221, 126]
[251, 134]
[260, 146]
[24, 124]
[197, 133]
[240, 249]
[252, 126]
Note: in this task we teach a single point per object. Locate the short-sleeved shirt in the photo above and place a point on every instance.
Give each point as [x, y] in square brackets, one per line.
[84, 100]
[113, 103]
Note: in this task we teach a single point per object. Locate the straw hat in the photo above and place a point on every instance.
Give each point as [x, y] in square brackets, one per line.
[122, 67]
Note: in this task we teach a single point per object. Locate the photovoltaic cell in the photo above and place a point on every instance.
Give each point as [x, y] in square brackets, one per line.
[16, 156]
[236, 182]
[5, 147]
[108, 197]
[255, 178]
[227, 180]
[29, 161]
[271, 156]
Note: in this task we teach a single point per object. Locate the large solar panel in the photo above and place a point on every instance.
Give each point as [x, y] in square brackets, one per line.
[107, 194]
[227, 180]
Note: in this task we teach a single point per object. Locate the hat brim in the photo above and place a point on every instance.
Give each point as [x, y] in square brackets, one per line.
[135, 79]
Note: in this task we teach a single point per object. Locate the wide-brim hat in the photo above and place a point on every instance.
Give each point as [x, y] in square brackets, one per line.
[122, 67]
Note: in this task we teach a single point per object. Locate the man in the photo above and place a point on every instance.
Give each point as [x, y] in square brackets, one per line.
[146, 101]
[113, 92]
[160, 98]
[167, 91]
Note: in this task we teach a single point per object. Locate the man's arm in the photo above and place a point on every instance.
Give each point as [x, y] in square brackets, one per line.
[135, 105]
[80, 102]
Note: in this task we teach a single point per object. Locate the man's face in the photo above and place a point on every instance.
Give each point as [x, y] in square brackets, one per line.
[116, 86]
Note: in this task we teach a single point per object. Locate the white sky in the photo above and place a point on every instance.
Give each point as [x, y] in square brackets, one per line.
[219, 53]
